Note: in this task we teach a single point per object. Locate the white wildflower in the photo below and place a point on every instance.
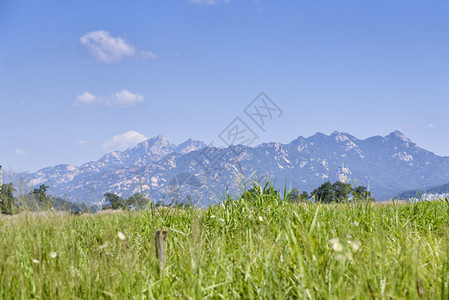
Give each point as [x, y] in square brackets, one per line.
[340, 257]
[121, 236]
[354, 245]
[36, 261]
[356, 224]
[53, 254]
[336, 245]
[260, 218]
[349, 256]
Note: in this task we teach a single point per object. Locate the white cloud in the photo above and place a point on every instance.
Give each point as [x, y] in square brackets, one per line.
[124, 141]
[19, 152]
[106, 48]
[83, 142]
[148, 55]
[123, 98]
[85, 99]
[430, 126]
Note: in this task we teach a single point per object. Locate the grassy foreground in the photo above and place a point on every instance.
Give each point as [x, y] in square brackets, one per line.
[263, 248]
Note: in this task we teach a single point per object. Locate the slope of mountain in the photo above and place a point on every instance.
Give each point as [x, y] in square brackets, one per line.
[429, 192]
[164, 171]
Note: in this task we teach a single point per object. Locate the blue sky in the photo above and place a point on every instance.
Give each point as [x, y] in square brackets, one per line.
[81, 78]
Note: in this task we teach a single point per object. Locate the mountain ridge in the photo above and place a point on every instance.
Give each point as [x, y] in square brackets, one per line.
[388, 165]
[431, 192]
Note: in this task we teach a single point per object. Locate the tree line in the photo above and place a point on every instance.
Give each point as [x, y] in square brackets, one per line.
[36, 199]
[326, 193]
[336, 192]
[135, 202]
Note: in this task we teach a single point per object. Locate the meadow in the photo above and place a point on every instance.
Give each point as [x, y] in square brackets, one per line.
[258, 248]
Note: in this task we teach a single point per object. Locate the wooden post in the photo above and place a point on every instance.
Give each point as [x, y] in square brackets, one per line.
[161, 245]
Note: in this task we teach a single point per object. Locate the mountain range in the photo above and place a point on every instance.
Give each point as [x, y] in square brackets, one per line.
[195, 172]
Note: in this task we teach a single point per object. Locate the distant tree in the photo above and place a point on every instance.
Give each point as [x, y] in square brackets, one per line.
[7, 200]
[340, 191]
[41, 197]
[138, 201]
[113, 201]
[304, 196]
[296, 196]
[361, 193]
[323, 193]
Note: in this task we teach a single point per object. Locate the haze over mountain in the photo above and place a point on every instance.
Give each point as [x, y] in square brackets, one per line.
[164, 171]
[427, 193]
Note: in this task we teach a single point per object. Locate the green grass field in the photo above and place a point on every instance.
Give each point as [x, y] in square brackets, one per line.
[265, 248]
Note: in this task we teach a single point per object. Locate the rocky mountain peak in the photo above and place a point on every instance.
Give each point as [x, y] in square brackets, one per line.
[189, 146]
[341, 136]
[397, 135]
